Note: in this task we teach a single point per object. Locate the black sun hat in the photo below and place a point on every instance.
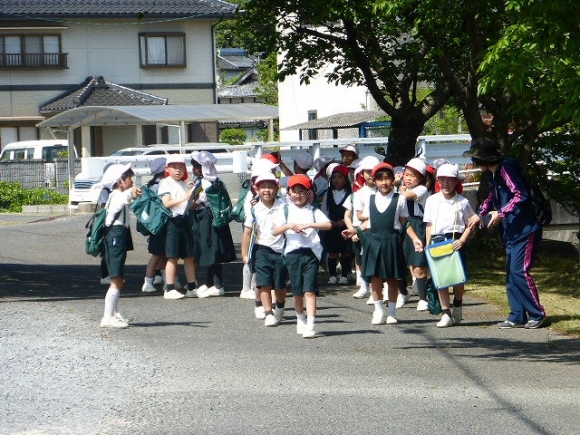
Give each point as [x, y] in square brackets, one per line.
[484, 149]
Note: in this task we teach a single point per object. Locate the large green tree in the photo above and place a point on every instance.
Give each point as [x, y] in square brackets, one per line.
[364, 47]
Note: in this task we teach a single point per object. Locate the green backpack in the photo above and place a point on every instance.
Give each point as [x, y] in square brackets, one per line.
[220, 203]
[238, 213]
[95, 238]
[150, 212]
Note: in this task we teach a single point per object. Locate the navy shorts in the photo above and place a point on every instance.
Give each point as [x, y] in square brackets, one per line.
[303, 271]
[156, 243]
[179, 240]
[269, 268]
[117, 243]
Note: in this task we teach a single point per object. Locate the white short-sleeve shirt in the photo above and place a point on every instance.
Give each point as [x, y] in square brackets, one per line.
[308, 238]
[266, 219]
[175, 190]
[382, 202]
[360, 198]
[447, 215]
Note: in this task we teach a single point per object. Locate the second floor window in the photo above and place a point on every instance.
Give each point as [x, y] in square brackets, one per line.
[162, 49]
[31, 51]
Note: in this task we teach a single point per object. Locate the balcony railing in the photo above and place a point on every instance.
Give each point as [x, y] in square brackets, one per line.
[34, 61]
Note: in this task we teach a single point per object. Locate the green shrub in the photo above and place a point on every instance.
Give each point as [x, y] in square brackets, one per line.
[13, 196]
[233, 136]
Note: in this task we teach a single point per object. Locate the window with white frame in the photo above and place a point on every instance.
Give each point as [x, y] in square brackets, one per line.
[162, 49]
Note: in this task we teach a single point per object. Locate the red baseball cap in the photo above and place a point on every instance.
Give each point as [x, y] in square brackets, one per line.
[382, 167]
[342, 169]
[300, 179]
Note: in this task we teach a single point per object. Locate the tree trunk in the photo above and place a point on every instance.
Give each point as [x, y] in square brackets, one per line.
[403, 138]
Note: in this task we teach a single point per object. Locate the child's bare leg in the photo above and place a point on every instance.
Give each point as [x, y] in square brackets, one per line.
[299, 305]
[189, 267]
[170, 271]
[266, 298]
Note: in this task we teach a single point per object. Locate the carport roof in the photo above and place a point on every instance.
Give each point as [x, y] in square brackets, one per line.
[168, 114]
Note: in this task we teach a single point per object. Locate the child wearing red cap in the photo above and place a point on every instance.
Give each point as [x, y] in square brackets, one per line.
[303, 251]
[332, 206]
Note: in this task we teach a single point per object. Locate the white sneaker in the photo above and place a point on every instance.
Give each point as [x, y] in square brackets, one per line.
[148, 288]
[343, 280]
[105, 281]
[122, 318]
[308, 333]
[391, 320]
[422, 305]
[191, 293]
[445, 321]
[211, 292]
[270, 320]
[260, 313]
[279, 314]
[113, 322]
[378, 318]
[300, 325]
[173, 295]
[158, 280]
[362, 292]
[371, 300]
[332, 280]
[248, 294]
[401, 300]
[457, 315]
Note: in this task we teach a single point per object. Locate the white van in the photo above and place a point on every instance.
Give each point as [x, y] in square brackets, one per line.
[44, 150]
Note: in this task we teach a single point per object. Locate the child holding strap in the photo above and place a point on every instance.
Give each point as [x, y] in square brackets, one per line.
[303, 251]
[266, 256]
[383, 259]
[175, 194]
[415, 191]
[446, 214]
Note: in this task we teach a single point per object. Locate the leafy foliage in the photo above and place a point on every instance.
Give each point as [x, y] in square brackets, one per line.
[13, 196]
[233, 136]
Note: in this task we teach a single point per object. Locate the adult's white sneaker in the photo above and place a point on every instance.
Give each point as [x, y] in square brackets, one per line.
[173, 295]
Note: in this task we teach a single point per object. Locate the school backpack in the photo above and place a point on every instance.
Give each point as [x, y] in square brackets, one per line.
[238, 213]
[95, 238]
[220, 203]
[150, 212]
[541, 205]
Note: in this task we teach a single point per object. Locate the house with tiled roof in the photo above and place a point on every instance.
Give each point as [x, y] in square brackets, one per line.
[57, 54]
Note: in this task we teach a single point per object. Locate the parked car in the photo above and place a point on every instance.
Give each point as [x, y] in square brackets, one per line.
[46, 150]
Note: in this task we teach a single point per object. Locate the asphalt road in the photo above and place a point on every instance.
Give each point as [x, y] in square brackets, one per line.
[206, 366]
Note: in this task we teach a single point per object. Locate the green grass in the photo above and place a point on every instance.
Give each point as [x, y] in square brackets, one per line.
[556, 273]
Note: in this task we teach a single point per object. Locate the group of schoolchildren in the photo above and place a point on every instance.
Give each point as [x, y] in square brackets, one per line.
[357, 212]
